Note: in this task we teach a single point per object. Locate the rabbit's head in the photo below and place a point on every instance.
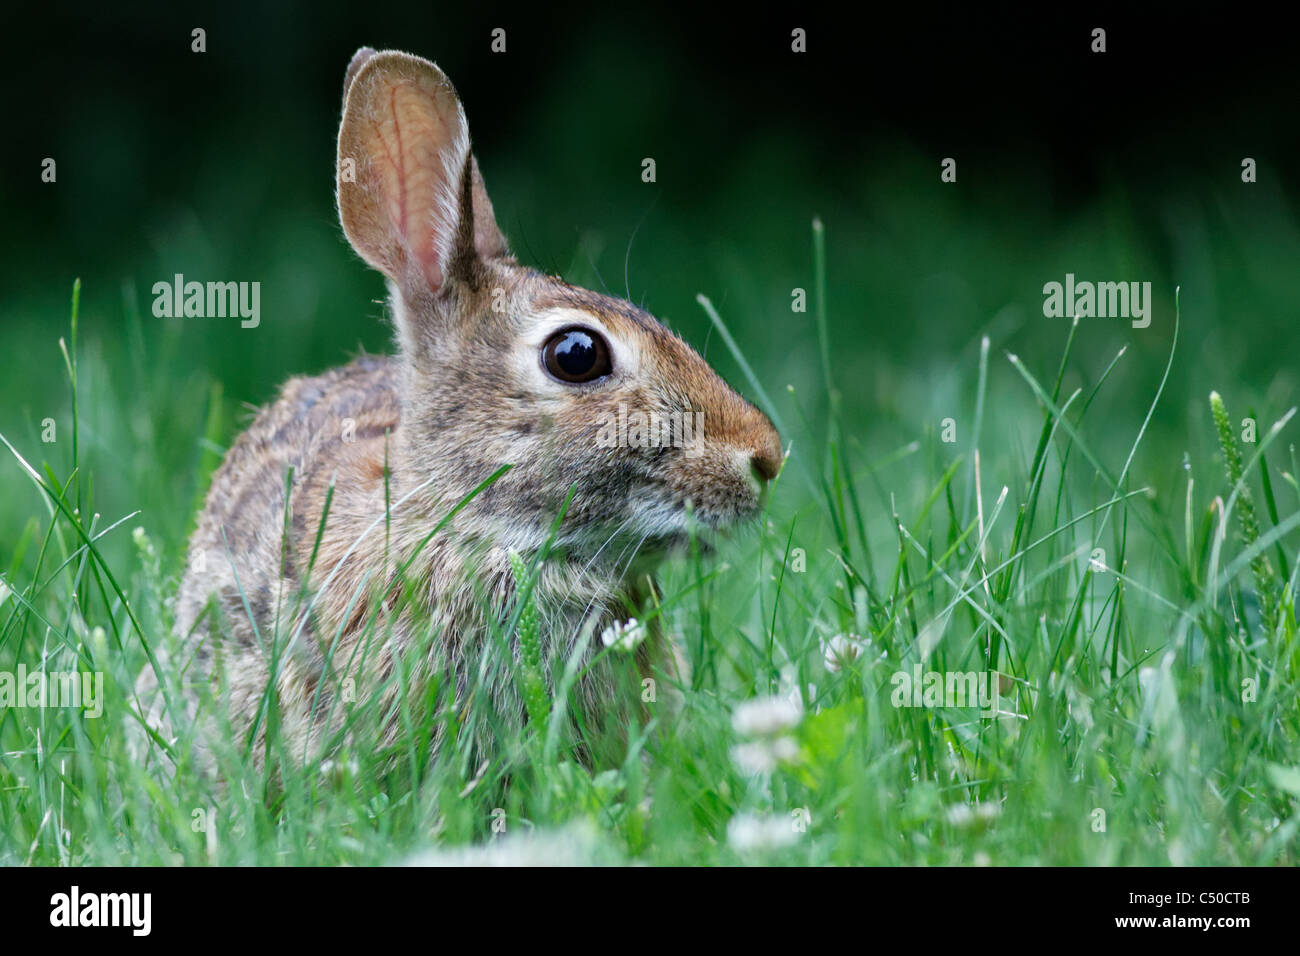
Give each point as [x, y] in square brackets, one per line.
[502, 364]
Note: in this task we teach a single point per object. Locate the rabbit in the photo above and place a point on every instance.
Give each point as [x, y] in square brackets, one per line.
[318, 522]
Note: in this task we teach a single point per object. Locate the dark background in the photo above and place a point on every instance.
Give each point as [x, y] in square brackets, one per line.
[1174, 88]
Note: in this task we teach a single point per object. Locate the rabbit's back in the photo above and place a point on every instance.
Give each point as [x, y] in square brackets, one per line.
[253, 550]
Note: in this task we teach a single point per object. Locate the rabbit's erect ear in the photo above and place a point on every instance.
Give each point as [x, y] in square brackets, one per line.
[359, 60]
[410, 195]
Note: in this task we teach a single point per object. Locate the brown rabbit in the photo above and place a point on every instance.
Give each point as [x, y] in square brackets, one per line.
[324, 595]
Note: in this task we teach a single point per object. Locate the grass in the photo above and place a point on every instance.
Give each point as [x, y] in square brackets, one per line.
[1145, 651]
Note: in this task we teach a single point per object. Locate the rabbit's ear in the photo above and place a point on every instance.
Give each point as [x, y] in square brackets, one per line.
[359, 60]
[410, 196]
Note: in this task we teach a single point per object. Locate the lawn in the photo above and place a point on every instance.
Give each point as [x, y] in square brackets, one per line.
[1140, 613]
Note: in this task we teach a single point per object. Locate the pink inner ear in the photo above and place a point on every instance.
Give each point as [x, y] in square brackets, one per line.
[413, 148]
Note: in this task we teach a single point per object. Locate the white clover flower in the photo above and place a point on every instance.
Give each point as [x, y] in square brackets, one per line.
[4, 592]
[766, 716]
[623, 636]
[963, 814]
[841, 651]
[578, 844]
[762, 756]
[747, 832]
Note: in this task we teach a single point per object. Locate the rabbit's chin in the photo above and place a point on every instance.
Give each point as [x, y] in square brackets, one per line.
[633, 552]
[681, 534]
[702, 539]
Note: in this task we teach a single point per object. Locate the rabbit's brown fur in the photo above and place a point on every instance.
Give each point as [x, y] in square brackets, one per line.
[403, 440]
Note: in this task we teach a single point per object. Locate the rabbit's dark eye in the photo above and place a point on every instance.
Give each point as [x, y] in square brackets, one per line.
[576, 355]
